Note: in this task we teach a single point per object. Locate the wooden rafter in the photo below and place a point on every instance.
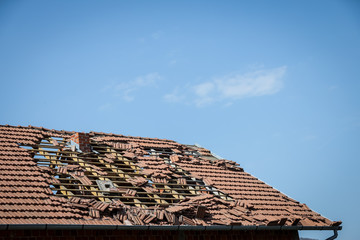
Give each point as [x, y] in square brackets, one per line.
[118, 173]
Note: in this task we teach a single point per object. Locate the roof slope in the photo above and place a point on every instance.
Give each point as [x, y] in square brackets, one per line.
[61, 177]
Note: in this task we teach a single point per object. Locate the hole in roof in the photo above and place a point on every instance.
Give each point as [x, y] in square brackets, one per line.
[26, 147]
[77, 174]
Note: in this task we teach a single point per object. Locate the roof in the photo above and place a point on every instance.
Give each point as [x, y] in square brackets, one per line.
[61, 177]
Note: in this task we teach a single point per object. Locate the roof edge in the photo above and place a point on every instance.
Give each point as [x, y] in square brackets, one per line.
[155, 227]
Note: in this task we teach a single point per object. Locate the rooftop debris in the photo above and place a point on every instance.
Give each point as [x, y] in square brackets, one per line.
[61, 177]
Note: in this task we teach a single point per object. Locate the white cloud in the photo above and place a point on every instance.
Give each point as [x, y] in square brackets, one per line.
[204, 89]
[105, 107]
[232, 87]
[148, 79]
[333, 87]
[156, 35]
[172, 62]
[256, 83]
[141, 40]
[176, 96]
[127, 90]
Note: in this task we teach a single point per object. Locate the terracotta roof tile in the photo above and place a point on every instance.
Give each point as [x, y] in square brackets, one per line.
[132, 180]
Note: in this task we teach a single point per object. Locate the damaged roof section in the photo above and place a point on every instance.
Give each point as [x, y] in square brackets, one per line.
[62, 177]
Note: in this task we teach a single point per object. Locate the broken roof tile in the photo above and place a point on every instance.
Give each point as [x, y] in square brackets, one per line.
[157, 181]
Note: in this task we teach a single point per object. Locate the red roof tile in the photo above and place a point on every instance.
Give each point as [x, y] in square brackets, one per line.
[46, 179]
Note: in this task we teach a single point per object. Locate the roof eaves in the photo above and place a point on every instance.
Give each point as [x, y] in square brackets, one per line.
[165, 227]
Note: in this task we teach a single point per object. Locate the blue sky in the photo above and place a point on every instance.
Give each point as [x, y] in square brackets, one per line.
[271, 85]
